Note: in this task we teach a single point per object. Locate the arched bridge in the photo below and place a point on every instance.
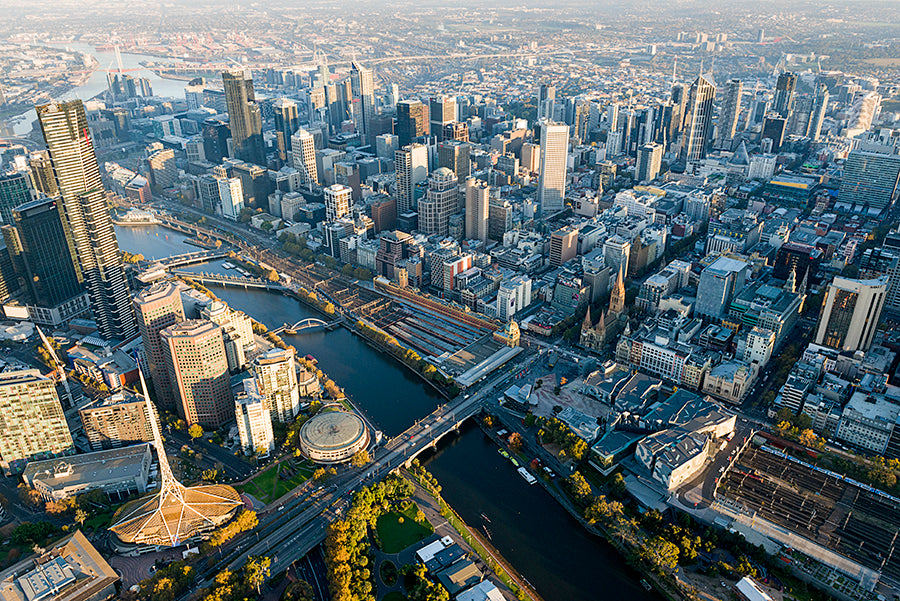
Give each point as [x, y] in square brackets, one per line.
[310, 324]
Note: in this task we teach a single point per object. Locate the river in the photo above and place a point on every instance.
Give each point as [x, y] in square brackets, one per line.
[545, 544]
[97, 82]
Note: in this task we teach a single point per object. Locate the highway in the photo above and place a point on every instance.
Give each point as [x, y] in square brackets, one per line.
[288, 532]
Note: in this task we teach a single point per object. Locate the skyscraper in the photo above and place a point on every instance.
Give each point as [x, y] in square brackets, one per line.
[850, 313]
[303, 148]
[276, 377]
[337, 201]
[546, 98]
[477, 209]
[286, 123]
[679, 99]
[42, 173]
[363, 87]
[554, 151]
[34, 426]
[244, 117]
[231, 193]
[441, 200]
[14, 191]
[774, 128]
[49, 272]
[698, 120]
[784, 94]
[817, 115]
[412, 121]
[728, 116]
[198, 369]
[454, 155]
[90, 233]
[253, 420]
[649, 160]
[411, 165]
[869, 181]
[443, 111]
[158, 307]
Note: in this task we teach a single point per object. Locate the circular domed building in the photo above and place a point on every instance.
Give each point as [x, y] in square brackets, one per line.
[333, 437]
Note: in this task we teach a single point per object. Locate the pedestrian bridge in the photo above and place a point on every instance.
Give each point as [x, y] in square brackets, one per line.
[202, 256]
[229, 280]
[310, 324]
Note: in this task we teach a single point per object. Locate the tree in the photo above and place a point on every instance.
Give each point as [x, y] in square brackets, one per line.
[578, 485]
[81, 516]
[256, 570]
[272, 275]
[360, 458]
[515, 442]
[195, 431]
[660, 553]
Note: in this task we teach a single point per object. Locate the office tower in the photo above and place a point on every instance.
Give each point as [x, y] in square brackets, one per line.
[163, 171]
[530, 157]
[286, 123]
[478, 198]
[546, 98]
[386, 145]
[317, 107]
[869, 181]
[207, 187]
[48, 269]
[698, 120]
[612, 116]
[42, 173]
[198, 369]
[337, 201]
[817, 114]
[92, 239]
[363, 87]
[253, 420]
[244, 117]
[773, 129]
[412, 121]
[456, 131]
[649, 160]
[441, 200]
[231, 194]
[34, 426]
[563, 245]
[14, 191]
[303, 150]
[616, 253]
[384, 214]
[454, 155]
[411, 166]
[728, 117]
[554, 151]
[215, 134]
[719, 283]
[500, 218]
[784, 94]
[276, 378]
[850, 313]
[679, 98]
[117, 421]
[158, 307]
[442, 111]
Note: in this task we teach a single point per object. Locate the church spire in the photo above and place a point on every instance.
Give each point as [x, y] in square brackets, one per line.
[586, 324]
[617, 298]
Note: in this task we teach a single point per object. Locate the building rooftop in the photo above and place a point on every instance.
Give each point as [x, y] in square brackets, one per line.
[122, 464]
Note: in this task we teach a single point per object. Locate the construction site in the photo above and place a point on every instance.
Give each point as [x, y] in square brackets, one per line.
[846, 525]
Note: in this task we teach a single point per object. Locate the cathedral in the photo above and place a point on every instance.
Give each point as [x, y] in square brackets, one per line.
[611, 323]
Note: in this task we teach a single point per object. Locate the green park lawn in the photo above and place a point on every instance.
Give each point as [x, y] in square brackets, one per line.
[267, 486]
[396, 536]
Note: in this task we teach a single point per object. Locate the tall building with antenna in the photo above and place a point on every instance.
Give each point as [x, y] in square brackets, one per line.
[176, 513]
[93, 247]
